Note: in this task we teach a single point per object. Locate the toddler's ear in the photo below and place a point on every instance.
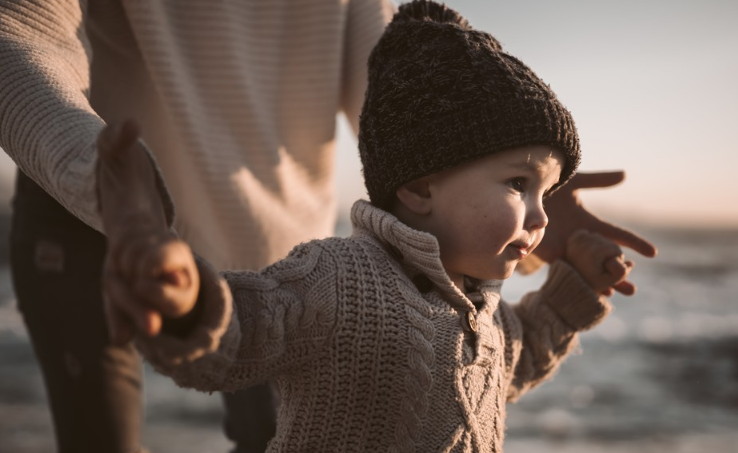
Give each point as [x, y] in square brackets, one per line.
[415, 196]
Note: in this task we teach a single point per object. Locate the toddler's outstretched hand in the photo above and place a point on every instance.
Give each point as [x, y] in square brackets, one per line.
[148, 272]
[600, 262]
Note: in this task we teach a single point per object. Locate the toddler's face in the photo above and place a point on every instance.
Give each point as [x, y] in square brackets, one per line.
[488, 214]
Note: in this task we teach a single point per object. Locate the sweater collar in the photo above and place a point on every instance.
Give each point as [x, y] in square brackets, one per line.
[419, 253]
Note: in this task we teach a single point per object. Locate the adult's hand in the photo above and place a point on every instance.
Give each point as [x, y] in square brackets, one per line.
[567, 214]
[145, 265]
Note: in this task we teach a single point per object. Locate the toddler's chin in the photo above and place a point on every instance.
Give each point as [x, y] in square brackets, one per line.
[501, 274]
[508, 273]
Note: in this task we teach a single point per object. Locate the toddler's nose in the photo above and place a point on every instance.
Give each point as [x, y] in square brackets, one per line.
[536, 218]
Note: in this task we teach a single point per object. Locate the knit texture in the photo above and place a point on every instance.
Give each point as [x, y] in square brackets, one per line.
[368, 341]
[441, 93]
[237, 101]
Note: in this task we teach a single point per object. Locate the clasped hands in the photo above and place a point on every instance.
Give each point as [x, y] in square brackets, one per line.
[148, 273]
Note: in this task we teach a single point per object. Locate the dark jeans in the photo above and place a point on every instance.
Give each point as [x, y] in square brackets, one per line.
[94, 388]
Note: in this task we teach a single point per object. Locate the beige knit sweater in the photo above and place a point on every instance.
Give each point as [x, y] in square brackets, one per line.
[370, 342]
[237, 100]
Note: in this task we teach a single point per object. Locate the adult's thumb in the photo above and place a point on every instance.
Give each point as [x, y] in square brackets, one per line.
[116, 138]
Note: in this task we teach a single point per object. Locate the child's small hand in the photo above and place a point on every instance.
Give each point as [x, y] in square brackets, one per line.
[146, 278]
[600, 262]
[148, 273]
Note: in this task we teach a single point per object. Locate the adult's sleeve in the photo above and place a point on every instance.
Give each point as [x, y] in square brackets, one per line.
[542, 329]
[253, 325]
[47, 125]
[365, 23]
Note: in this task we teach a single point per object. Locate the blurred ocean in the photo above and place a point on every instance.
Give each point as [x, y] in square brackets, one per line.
[660, 375]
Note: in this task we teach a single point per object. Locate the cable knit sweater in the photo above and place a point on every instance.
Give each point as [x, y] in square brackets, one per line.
[237, 100]
[372, 346]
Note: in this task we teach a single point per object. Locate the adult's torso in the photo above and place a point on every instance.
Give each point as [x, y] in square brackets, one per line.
[237, 100]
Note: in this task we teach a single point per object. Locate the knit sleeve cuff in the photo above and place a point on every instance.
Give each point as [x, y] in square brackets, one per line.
[566, 292]
[205, 336]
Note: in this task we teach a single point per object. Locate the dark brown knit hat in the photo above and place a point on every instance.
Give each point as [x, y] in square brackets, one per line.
[441, 93]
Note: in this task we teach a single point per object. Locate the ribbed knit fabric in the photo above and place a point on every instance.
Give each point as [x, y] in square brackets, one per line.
[236, 99]
[370, 344]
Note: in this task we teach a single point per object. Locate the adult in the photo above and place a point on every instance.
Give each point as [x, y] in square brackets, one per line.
[237, 103]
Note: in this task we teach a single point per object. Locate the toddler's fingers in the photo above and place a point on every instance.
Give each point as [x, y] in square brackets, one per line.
[589, 243]
[169, 256]
[579, 237]
[140, 253]
[172, 301]
[618, 267]
[625, 288]
[117, 293]
[169, 280]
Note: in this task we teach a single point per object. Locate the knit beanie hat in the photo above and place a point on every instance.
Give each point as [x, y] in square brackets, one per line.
[441, 93]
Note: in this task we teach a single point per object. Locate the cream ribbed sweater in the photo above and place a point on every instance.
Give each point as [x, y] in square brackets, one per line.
[369, 342]
[237, 100]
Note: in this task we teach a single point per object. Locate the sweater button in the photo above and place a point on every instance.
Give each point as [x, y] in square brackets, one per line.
[471, 321]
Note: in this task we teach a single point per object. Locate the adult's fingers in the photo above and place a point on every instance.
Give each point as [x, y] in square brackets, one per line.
[170, 300]
[627, 238]
[130, 250]
[595, 180]
[126, 184]
[146, 321]
[116, 138]
[116, 145]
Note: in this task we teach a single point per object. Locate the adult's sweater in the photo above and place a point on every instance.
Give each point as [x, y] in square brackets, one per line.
[372, 346]
[237, 100]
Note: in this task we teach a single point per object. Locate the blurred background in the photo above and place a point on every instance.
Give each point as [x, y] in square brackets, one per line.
[652, 86]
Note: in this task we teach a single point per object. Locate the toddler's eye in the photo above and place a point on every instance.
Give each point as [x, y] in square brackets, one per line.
[517, 184]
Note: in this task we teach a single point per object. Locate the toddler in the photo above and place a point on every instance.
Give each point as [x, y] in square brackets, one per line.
[394, 339]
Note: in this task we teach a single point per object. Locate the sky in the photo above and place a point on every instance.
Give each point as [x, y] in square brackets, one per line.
[652, 86]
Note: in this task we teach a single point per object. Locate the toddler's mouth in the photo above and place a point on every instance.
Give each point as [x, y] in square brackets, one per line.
[522, 249]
